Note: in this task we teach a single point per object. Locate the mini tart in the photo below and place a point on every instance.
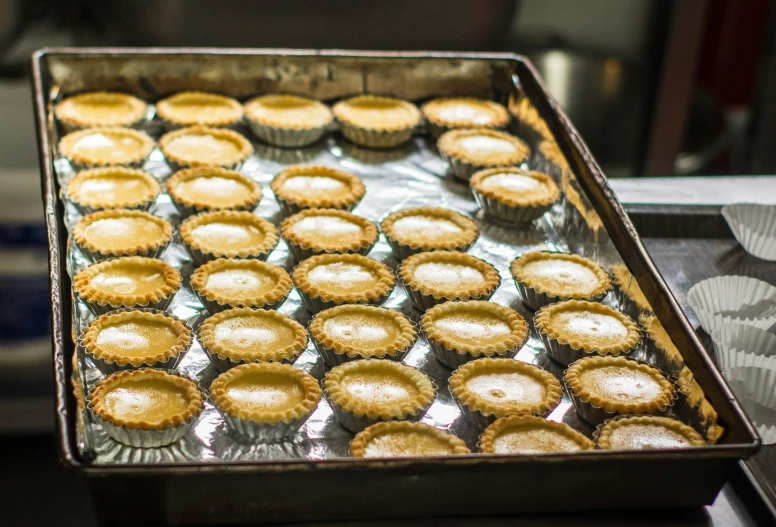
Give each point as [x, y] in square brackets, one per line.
[438, 276]
[404, 439]
[447, 113]
[376, 122]
[630, 295]
[525, 434]
[242, 335]
[316, 187]
[328, 280]
[364, 392]
[208, 188]
[133, 403]
[513, 194]
[418, 229]
[101, 108]
[486, 389]
[550, 159]
[228, 234]
[574, 329]
[224, 283]
[661, 351]
[351, 332]
[316, 231]
[693, 407]
[646, 432]
[200, 145]
[122, 232]
[471, 150]
[459, 332]
[266, 400]
[602, 387]
[544, 277]
[191, 108]
[287, 120]
[133, 339]
[112, 188]
[95, 147]
[131, 281]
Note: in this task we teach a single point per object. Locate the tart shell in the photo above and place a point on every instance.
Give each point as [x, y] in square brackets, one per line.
[186, 207]
[281, 133]
[438, 125]
[178, 163]
[201, 254]
[67, 110]
[404, 248]
[360, 443]
[661, 351]
[95, 252]
[71, 192]
[292, 204]
[493, 431]
[463, 165]
[80, 161]
[172, 120]
[630, 298]
[376, 136]
[510, 208]
[604, 431]
[304, 247]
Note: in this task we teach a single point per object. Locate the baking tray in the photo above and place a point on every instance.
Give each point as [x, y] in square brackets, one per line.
[273, 490]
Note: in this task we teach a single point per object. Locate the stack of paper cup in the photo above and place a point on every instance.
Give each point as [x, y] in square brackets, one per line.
[731, 299]
[754, 226]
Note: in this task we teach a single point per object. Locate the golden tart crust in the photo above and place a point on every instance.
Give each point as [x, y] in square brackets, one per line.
[209, 188]
[129, 281]
[201, 145]
[620, 385]
[169, 400]
[377, 113]
[501, 387]
[317, 186]
[192, 108]
[240, 283]
[107, 146]
[588, 326]
[405, 439]
[288, 111]
[289, 393]
[429, 229]
[483, 147]
[329, 231]
[516, 187]
[136, 338]
[92, 109]
[229, 234]
[647, 432]
[629, 286]
[360, 331]
[465, 112]
[245, 334]
[560, 275]
[112, 188]
[531, 435]
[122, 232]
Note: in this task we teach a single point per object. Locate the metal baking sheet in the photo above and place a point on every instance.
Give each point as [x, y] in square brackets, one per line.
[210, 464]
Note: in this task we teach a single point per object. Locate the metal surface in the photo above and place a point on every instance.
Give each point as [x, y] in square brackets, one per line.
[269, 491]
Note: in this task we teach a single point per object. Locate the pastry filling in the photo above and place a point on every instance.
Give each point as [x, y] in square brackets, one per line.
[485, 144]
[342, 277]
[239, 282]
[312, 186]
[253, 334]
[362, 331]
[407, 443]
[467, 112]
[426, 227]
[102, 109]
[148, 400]
[622, 385]
[120, 233]
[291, 110]
[214, 190]
[516, 185]
[203, 147]
[134, 280]
[137, 338]
[266, 392]
[500, 387]
[449, 277]
[642, 436]
[108, 146]
[227, 235]
[331, 230]
[107, 190]
[561, 277]
[194, 109]
[379, 388]
[532, 439]
[597, 329]
[378, 112]
[473, 327]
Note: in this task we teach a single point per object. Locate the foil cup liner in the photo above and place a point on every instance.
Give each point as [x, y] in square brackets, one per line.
[566, 354]
[96, 256]
[214, 306]
[740, 345]
[289, 156]
[332, 358]
[461, 169]
[754, 226]
[376, 138]
[176, 166]
[453, 359]
[508, 213]
[199, 258]
[356, 423]
[625, 304]
[423, 301]
[104, 309]
[316, 305]
[289, 209]
[301, 253]
[537, 299]
[728, 299]
[403, 251]
[657, 358]
[224, 364]
[263, 431]
[287, 137]
[541, 164]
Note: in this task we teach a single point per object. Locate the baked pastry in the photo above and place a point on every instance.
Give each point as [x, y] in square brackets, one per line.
[316, 187]
[646, 432]
[692, 407]
[526, 434]
[458, 332]
[265, 401]
[575, 329]
[329, 280]
[544, 277]
[602, 387]
[364, 392]
[146, 408]
[474, 149]
[486, 389]
[242, 335]
[228, 234]
[405, 439]
[223, 284]
[661, 351]
[112, 188]
[287, 120]
[192, 108]
[631, 299]
[376, 122]
[122, 232]
[318, 231]
[513, 194]
[419, 229]
[201, 145]
[100, 108]
[131, 339]
[131, 281]
[112, 146]
[208, 188]
[352, 332]
[438, 276]
[550, 160]
[447, 113]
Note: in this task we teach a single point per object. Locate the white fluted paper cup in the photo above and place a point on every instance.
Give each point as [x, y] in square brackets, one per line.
[754, 388]
[733, 299]
[754, 226]
[740, 345]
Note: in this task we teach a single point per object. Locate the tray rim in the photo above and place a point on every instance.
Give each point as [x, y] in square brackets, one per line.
[616, 222]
